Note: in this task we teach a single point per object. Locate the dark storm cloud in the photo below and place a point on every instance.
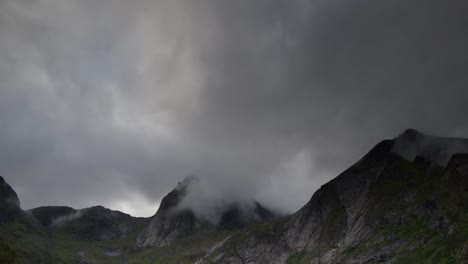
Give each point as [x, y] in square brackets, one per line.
[114, 102]
[326, 80]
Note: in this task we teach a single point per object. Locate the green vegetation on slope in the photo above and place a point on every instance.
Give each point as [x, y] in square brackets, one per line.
[7, 255]
[22, 243]
[29, 243]
[298, 258]
[184, 250]
[419, 213]
[422, 214]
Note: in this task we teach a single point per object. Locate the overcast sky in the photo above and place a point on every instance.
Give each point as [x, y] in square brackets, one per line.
[113, 102]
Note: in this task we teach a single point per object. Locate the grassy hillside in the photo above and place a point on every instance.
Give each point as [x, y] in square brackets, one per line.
[24, 244]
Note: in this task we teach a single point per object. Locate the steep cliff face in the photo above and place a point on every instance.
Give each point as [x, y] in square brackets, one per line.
[337, 211]
[385, 208]
[334, 216]
[9, 202]
[169, 223]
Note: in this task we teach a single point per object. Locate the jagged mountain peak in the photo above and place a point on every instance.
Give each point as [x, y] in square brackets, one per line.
[378, 210]
[385, 208]
[174, 197]
[174, 220]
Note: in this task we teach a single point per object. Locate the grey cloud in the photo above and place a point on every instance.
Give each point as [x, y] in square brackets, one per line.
[331, 82]
[112, 102]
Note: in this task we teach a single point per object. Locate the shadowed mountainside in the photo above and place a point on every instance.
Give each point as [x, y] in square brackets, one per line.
[171, 222]
[9, 202]
[406, 201]
[383, 209]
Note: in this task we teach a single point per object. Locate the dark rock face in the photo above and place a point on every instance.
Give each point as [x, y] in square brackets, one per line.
[171, 222]
[411, 196]
[9, 202]
[406, 195]
[337, 210]
[168, 223]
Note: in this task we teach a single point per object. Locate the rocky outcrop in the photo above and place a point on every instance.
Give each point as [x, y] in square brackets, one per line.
[172, 222]
[396, 200]
[169, 223]
[405, 201]
[9, 203]
[334, 216]
[336, 212]
[351, 208]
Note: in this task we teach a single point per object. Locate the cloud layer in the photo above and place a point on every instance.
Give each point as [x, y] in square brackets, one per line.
[113, 102]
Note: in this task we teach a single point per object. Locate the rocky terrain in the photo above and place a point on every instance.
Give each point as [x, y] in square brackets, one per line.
[406, 201]
[403, 202]
[9, 202]
[170, 223]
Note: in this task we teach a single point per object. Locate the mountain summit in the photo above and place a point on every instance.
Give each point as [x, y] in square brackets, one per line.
[405, 201]
[172, 221]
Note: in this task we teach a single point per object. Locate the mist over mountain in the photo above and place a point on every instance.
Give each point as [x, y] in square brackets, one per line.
[233, 131]
[186, 210]
[116, 101]
[401, 202]
[412, 144]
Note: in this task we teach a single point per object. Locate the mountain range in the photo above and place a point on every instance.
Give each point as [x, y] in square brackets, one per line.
[405, 201]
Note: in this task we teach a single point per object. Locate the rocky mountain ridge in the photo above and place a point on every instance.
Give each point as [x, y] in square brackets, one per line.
[49, 225]
[406, 201]
[362, 215]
